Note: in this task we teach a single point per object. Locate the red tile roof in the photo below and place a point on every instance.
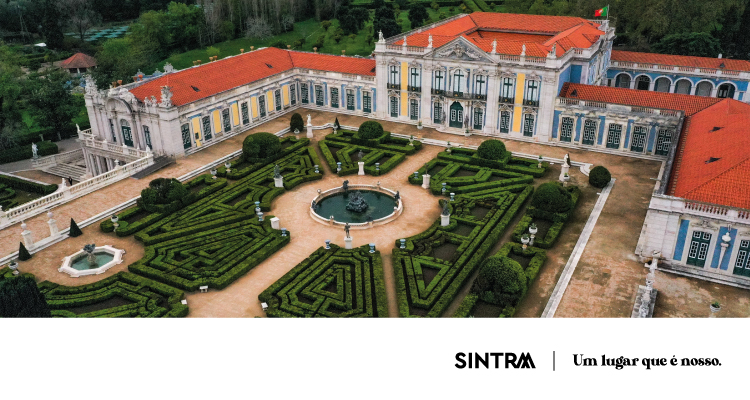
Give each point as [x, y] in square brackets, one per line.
[512, 31]
[713, 158]
[78, 60]
[684, 61]
[192, 84]
[638, 98]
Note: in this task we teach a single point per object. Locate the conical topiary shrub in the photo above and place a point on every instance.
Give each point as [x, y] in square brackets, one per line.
[336, 123]
[75, 231]
[23, 254]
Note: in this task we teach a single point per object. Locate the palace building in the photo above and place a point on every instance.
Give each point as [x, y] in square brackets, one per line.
[544, 79]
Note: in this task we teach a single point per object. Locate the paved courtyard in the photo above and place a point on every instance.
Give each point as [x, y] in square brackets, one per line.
[603, 285]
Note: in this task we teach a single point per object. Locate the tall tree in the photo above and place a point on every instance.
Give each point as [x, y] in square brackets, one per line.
[51, 101]
[20, 298]
[10, 92]
[81, 15]
[418, 15]
[51, 25]
[385, 22]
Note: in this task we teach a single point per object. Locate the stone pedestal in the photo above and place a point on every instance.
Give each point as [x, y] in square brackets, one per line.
[426, 181]
[278, 182]
[348, 243]
[361, 168]
[275, 223]
[53, 231]
[309, 131]
[28, 238]
[445, 220]
[564, 170]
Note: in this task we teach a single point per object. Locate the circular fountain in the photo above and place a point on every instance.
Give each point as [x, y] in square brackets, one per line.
[361, 206]
[91, 260]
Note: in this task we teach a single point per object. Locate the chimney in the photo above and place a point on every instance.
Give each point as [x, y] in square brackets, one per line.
[719, 55]
[242, 51]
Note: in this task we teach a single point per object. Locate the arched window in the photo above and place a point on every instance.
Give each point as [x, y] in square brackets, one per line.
[642, 82]
[662, 85]
[622, 81]
[704, 89]
[726, 91]
[683, 86]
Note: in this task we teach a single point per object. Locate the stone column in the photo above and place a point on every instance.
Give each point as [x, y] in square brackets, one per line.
[28, 237]
[278, 182]
[445, 220]
[53, 231]
[361, 168]
[493, 83]
[426, 114]
[348, 243]
[426, 181]
[275, 223]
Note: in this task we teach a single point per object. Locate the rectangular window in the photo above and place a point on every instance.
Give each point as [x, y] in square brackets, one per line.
[589, 132]
[277, 99]
[699, 249]
[414, 81]
[245, 114]
[335, 97]
[532, 93]
[393, 79]
[613, 136]
[225, 118]
[480, 90]
[147, 136]
[414, 109]
[438, 113]
[507, 94]
[663, 141]
[639, 139]
[207, 127]
[566, 129]
[458, 85]
[742, 266]
[394, 107]
[439, 78]
[186, 141]
[319, 95]
[478, 118]
[366, 102]
[293, 94]
[350, 100]
[528, 125]
[504, 121]
[304, 93]
[262, 105]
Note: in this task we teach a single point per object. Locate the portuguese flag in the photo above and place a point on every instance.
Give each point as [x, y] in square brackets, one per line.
[603, 12]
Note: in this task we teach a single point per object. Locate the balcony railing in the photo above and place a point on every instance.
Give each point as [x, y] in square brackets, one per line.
[396, 86]
[507, 100]
[480, 96]
[533, 103]
[417, 89]
[438, 91]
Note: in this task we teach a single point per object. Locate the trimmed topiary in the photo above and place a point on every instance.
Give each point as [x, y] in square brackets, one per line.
[599, 177]
[23, 254]
[500, 281]
[74, 231]
[260, 145]
[336, 123]
[552, 197]
[491, 149]
[296, 123]
[370, 130]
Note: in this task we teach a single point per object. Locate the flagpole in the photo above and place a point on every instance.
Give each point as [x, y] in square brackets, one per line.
[607, 12]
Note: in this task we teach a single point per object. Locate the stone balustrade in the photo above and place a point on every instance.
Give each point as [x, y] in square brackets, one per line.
[51, 161]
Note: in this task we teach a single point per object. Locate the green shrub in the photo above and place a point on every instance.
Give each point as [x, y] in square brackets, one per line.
[164, 194]
[370, 130]
[20, 298]
[24, 152]
[23, 253]
[500, 281]
[23, 184]
[296, 123]
[260, 145]
[491, 149]
[552, 197]
[325, 25]
[599, 177]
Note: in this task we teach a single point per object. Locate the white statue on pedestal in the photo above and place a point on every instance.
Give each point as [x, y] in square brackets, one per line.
[34, 150]
[309, 119]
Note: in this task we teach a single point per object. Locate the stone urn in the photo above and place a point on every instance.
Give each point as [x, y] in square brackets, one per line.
[525, 241]
[532, 230]
[715, 307]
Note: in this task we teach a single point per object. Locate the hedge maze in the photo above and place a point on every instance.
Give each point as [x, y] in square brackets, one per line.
[330, 283]
[344, 147]
[121, 295]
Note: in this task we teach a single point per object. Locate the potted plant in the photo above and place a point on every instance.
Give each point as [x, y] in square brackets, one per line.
[566, 177]
[467, 133]
[533, 229]
[449, 147]
[715, 307]
[411, 138]
[539, 164]
[525, 240]
[419, 124]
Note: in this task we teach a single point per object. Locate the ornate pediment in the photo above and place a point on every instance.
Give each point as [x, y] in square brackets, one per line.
[704, 224]
[461, 49]
[529, 110]
[393, 93]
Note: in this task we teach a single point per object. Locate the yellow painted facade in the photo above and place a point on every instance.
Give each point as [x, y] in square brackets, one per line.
[217, 121]
[269, 101]
[404, 84]
[254, 106]
[285, 93]
[196, 122]
[235, 114]
[518, 109]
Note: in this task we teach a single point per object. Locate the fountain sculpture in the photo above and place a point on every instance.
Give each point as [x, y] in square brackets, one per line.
[90, 257]
[357, 203]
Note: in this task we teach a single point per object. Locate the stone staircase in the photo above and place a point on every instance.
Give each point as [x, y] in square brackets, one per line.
[72, 170]
[159, 163]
